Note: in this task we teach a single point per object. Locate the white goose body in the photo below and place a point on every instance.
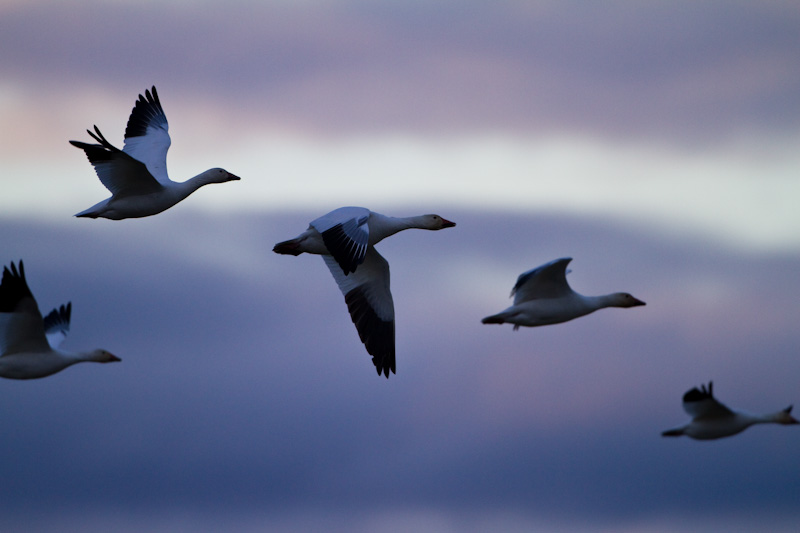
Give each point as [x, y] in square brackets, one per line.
[39, 364]
[542, 297]
[137, 174]
[345, 239]
[28, 343]
[713, 420]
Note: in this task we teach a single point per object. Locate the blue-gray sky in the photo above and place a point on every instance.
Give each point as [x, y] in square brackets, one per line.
[655, 143]
[642, 112]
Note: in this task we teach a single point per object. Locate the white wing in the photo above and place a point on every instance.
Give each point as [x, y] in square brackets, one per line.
[369, 301]
[147, 135]
[546, 281]
[345, 233]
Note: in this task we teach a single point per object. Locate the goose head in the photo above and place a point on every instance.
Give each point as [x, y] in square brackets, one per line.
[219, 175]
[435, 222]
[102, 356]
[624, 299]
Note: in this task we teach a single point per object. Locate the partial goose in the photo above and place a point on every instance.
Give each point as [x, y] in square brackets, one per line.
[137, 174]
[713, 420]
[542, 296]
[27, 342]
[345, 239]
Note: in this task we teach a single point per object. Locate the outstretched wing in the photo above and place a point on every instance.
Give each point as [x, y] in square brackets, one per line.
[117, 170]
[21, 327]
[147, 135]
[345, 233]
[56, 324]
[370, 304]
[546, 281]
[700, 403]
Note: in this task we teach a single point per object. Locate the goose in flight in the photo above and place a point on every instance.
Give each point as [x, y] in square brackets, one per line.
[713, 420]
[28, 343]
[345, 238]
[137, 174]
[542, 296]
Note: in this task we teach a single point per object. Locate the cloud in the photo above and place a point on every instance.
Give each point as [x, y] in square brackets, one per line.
[680, 118]
[244, 388]
[657, 69]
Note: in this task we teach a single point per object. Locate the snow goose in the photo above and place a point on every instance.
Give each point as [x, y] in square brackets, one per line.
[345, 239]
[137, 174]
[713, 420]
[27, 342]
[542, 296]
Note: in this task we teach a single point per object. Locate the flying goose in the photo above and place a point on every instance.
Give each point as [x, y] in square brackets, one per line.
[137, 174]
[713, 420]
[542, 296]
[345, 238]
[28, 343]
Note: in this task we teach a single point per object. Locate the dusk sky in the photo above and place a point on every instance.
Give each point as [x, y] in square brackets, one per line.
[653, 142]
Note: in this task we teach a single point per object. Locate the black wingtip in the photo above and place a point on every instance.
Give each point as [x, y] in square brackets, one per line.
[96, 152]
[376, 334]
[59, 317]
[384, 365]
[698, 395]
[146, 111]
[13, 287]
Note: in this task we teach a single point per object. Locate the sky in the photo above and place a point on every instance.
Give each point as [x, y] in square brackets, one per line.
[653, 142]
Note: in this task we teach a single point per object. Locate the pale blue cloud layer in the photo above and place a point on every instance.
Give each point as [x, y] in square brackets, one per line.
[245, 399]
